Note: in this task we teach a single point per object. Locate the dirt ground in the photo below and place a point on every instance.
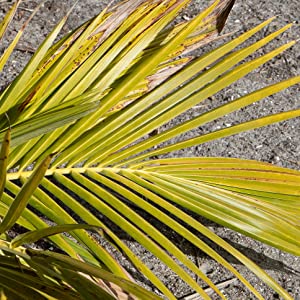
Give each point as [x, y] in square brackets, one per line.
[278, 144]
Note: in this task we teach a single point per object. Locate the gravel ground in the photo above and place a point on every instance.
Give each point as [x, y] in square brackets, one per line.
[278, 144]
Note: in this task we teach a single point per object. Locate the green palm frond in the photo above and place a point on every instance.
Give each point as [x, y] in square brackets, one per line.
[92, 100]
[44, 275]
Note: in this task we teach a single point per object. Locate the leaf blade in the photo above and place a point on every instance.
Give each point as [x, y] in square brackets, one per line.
[23, 197]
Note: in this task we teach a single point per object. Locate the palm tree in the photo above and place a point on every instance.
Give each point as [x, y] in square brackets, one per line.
[85, 111]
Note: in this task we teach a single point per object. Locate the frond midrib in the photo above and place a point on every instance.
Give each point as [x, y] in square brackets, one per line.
[64, 171]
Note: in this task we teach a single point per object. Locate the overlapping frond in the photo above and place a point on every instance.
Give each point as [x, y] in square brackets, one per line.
[45, 275]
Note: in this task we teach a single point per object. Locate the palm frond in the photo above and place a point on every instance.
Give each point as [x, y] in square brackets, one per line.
[93, 99]
[28, 273]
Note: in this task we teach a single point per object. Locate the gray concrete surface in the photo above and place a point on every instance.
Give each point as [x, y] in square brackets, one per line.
[278, 144]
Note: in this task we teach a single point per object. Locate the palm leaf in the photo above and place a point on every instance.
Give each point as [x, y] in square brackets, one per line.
[94, 97]
[26, 274]
[3, 28]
